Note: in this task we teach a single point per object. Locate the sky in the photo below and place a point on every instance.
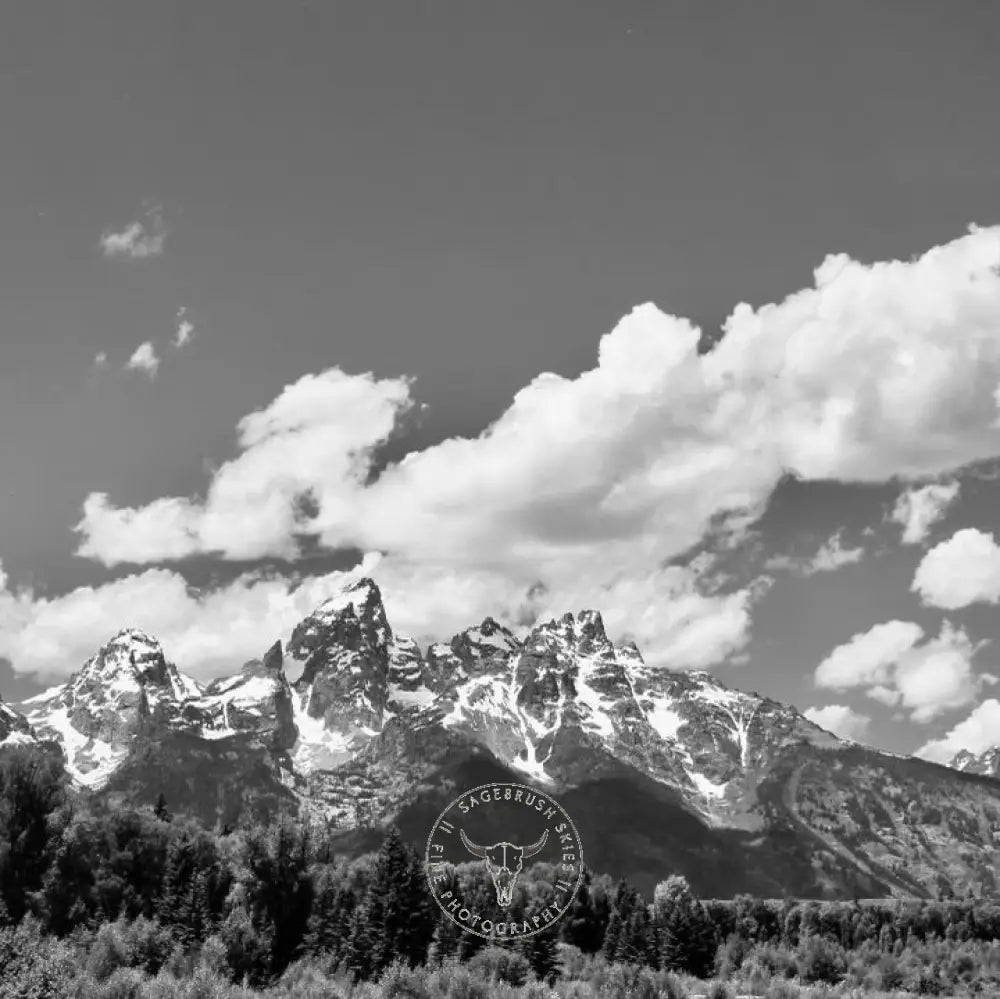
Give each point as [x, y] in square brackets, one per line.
[689, 312]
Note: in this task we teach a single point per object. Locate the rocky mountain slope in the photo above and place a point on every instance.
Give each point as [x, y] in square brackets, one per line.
[662, 771]
[14, 728]
[987, 762]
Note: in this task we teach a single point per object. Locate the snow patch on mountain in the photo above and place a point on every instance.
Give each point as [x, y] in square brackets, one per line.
[598, 714]
[317, 747]
[664, 719]
[89, 761]
[706, 787]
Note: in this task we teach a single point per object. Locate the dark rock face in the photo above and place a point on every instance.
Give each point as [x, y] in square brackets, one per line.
[737, 791]
[345, 646]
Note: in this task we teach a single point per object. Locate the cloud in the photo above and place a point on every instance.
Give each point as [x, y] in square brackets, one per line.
[868, 658]
[840, 720]
[919, 509]
[185, 329]
[213, 631]
[963, 570]
[144, 359]
[898, 667]
[100, 360]
[203, 632]
[977, 733]
[315, 440]
[138, 240]
[831, 556]
[878, 371]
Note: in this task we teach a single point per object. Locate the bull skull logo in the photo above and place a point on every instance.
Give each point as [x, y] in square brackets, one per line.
[504, 861]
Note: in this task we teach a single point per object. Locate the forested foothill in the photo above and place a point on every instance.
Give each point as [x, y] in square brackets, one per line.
[119, 903]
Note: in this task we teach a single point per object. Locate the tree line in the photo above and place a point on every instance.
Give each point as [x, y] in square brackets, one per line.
[266, 897]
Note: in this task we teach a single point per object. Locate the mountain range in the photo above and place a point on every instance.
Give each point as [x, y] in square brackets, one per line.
[663, 771]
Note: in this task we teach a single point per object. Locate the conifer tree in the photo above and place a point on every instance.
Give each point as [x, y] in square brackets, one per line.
[542, 953]
[613, 936]
[636, 941]
[583, 925]
[160, 809]
[168, 905]
[444, 943]
[32, 788]
[360, 945]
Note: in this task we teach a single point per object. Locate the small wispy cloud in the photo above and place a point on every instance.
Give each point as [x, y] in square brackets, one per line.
[832, 555]
[100, 360]
[144, 359]
[185, 329]
[139, 239]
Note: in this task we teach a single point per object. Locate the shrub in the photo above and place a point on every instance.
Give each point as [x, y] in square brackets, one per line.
[575, 964]
[306, 978]
[500, 964]
[34, 967]
[453, 980]
[783, 990]
[671, 986]
[755, 975]
[122, 983]
[110, 951]
[149, 944]
[730, 955]
[204, 984]
[819, 959]
[619, 981]
[887, 974]
[718, 990]
[400, 981]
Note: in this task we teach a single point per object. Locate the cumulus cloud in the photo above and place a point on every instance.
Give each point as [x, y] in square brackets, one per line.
[977, 733]
[100, 360]
[878, 371]
[897, 666]
[138, 240]
[963, 570]
[213, 631]
[203, 632]
[920, 508]
[315, 442]
[144, 358]
[840, 720]
[868, 658]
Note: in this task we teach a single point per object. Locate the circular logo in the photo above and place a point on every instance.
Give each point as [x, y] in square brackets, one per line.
[498, 831]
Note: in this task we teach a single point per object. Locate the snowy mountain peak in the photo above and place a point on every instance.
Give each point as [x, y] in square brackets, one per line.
[541, 705]
[987, 762]
[484, 641]
[133, 652]
[362, 598]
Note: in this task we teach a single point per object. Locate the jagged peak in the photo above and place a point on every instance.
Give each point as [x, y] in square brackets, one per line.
[631, 655]
[489, 633]
[591, 627]
[128, 648]
[274, 658]
[585, 630]
[361, 593]
[987, 761]
[361, 600]
[133, 636]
